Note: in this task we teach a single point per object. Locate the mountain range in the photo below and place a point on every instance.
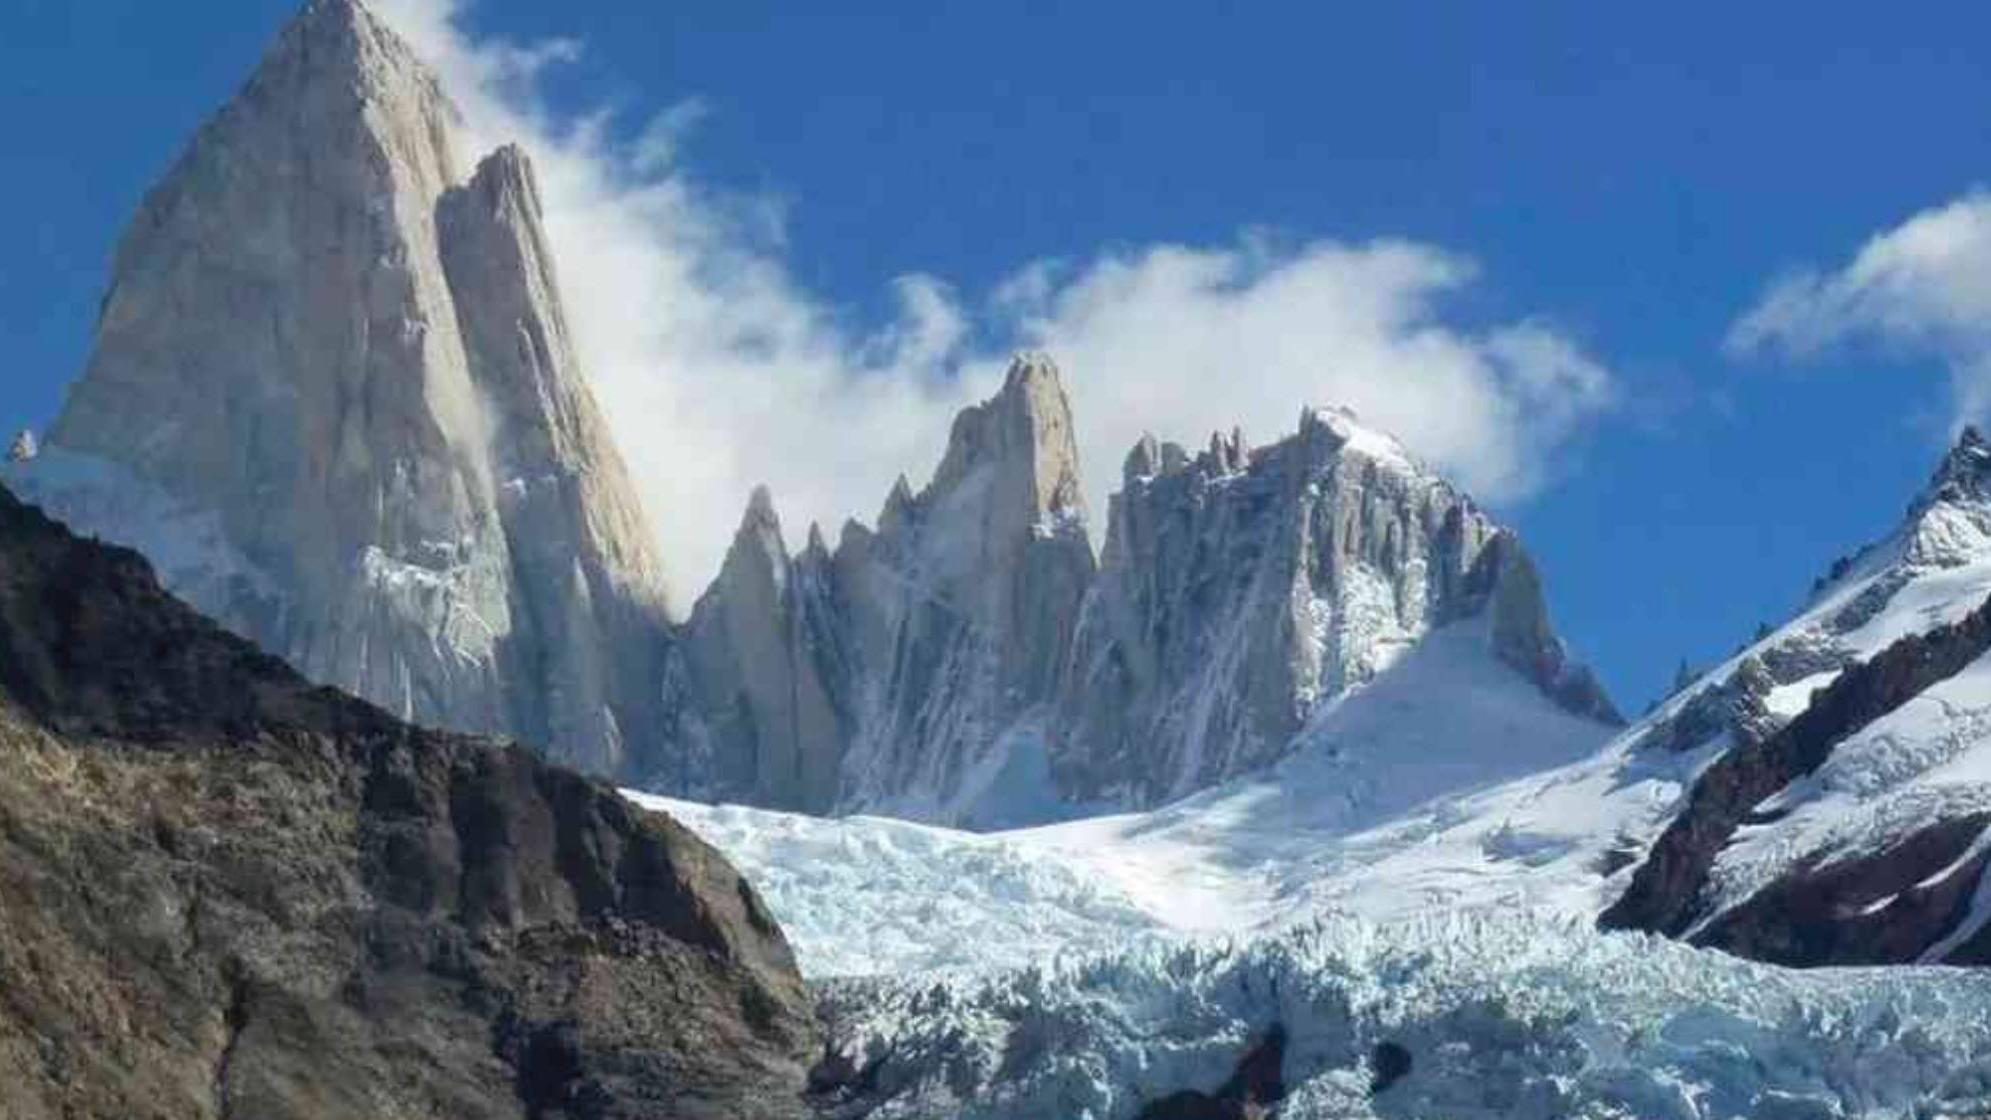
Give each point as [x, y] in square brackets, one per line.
[334, 396]
[1270, 784]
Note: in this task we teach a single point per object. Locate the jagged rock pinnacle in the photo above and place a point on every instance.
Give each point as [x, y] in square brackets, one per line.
[759, 536]
[1142, 461]
[1024, 434]
[1242, 590]
[1965, 471]
[760, 506]
[411, 459]
[344, 49]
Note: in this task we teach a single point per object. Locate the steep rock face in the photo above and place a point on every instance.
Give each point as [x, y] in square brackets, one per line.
[1843, 817]
[767, 655]
[1240, 591]
[894, 674]
[966, 663]
[583, 569]
[963, 603]
[224, 892]
[333, 397]
[346, 372]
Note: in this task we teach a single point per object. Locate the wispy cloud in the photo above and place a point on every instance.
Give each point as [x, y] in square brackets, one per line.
[1923, 287]
[718, 371]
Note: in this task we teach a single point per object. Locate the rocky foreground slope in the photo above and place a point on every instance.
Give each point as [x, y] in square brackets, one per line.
[227, 893]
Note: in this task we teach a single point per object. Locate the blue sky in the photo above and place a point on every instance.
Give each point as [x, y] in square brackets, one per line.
[1634, 179]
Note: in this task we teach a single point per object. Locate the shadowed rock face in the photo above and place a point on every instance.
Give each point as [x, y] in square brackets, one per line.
[1252, 1093]
[768, 663]
[227, 893]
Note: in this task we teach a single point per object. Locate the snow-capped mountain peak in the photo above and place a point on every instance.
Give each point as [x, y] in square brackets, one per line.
[1949, 524]
[1242, 590]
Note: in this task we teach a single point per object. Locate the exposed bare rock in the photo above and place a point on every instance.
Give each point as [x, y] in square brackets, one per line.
[767, 658]
[326, 352]
[24, 448]
[334, 397]
[964, 602]
[585, 578]
[1666, 893]
[224, 892]
[889, 674]
[965, 662]
[1847, 824]
[1252, 1093]
[1241, 590]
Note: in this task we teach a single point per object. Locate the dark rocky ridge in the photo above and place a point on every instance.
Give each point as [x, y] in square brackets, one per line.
[1820, 915]
[1252, 1092]
[227, 893]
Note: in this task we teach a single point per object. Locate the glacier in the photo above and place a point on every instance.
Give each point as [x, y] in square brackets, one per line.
[1499, 1016]
[996, 975]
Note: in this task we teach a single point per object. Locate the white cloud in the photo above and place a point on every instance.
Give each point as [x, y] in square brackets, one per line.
[718, 372]
[1923, 287]
[1181, 341]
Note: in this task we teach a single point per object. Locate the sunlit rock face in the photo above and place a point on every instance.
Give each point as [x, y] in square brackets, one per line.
[1242, 589]
[334, 398]
[896, 673]
[227, 892]
[333, 394]
[967, 662]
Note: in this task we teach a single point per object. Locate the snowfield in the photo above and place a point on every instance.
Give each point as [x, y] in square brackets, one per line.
[865, 896]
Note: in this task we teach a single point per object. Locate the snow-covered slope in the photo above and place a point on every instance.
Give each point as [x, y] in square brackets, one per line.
[865, 895]
[1845, 818]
